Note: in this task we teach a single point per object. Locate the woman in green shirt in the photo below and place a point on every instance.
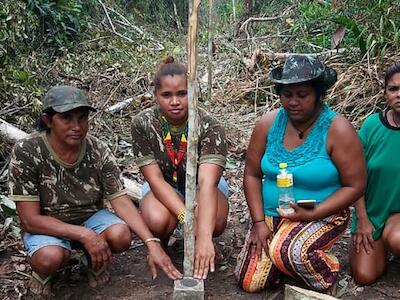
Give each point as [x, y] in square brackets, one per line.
[376, 228]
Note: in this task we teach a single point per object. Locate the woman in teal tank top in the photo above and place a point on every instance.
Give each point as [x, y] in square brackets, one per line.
[376, 224]
[322, 151]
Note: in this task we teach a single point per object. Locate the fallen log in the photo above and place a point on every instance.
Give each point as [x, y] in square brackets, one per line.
[117, 107]
[324, 54]
[10, 132]
[13, 134]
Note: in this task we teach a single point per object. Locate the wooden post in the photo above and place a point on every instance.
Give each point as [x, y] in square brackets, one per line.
[210, 47]
[191, 164]
[190, 288]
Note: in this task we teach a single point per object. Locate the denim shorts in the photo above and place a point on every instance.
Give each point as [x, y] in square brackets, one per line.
[98, 222]
[222, 186]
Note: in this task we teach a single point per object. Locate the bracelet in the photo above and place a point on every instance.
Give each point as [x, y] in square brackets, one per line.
[152, 239]
[181, 217]
[254, 222]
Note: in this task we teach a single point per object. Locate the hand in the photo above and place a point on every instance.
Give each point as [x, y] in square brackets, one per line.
[97, 247]
[204, 255]
[363, 235]
[158, 257]
[299, 214]
[259, 236]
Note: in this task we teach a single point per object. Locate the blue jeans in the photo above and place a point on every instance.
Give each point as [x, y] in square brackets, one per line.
[222, 186]
[98, 222]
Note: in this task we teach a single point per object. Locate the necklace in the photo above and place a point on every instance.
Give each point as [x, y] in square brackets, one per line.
[394, 120]
[301, 132]
[176, 158]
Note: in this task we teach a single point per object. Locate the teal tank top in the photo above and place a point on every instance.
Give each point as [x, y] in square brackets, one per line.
[314, 174]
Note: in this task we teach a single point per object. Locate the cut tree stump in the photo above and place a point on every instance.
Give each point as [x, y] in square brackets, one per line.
[296, 293]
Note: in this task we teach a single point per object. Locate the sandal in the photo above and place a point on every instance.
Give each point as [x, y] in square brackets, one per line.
[84, 263]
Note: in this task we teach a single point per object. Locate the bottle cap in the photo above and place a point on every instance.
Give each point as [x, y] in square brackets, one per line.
[282, 165]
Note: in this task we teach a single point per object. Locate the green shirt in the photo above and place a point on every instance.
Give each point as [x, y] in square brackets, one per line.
[68, 192]
[381, 143]
[148, 147]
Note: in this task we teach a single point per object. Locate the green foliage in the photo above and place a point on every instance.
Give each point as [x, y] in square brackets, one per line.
[354, 30]
[225, 10]
[16, 28]
[160, 12]
[59, 20]
[372, 26]
[310, 27]
[379, 25]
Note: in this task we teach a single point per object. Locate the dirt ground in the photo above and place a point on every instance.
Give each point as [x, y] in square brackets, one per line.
[131, 277]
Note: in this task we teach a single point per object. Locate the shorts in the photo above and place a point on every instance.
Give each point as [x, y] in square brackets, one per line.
[98, 222]
[222, 186]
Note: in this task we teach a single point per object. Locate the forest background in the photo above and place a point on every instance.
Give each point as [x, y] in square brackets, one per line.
[111, 49]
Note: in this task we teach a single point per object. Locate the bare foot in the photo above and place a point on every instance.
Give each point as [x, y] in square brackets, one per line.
[98, 280]
[40, 287]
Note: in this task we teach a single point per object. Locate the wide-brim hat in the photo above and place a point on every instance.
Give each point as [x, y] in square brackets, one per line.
[300, 68]
[64, 98]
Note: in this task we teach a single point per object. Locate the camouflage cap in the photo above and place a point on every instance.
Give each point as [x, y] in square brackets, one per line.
[302, 68]
[64, 98]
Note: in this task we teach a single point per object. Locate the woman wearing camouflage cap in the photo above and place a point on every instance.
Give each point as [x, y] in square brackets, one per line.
[322, 151]
[59, 179]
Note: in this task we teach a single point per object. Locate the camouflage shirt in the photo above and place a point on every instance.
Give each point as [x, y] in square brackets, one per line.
[148, 147]
[68, 192]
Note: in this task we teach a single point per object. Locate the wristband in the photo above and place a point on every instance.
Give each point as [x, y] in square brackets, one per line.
[181, 217]
[152, 239]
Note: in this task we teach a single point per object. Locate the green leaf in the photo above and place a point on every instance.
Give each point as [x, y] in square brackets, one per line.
[20, 75]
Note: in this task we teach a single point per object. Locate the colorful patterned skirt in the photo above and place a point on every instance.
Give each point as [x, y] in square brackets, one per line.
[298, 249]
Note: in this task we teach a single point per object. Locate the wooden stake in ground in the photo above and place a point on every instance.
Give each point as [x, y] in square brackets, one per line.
[210, 47]
[191, 164]
[188, 287]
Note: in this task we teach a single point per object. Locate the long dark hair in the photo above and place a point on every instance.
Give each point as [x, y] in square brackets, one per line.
[390, 71]
[169, 67]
